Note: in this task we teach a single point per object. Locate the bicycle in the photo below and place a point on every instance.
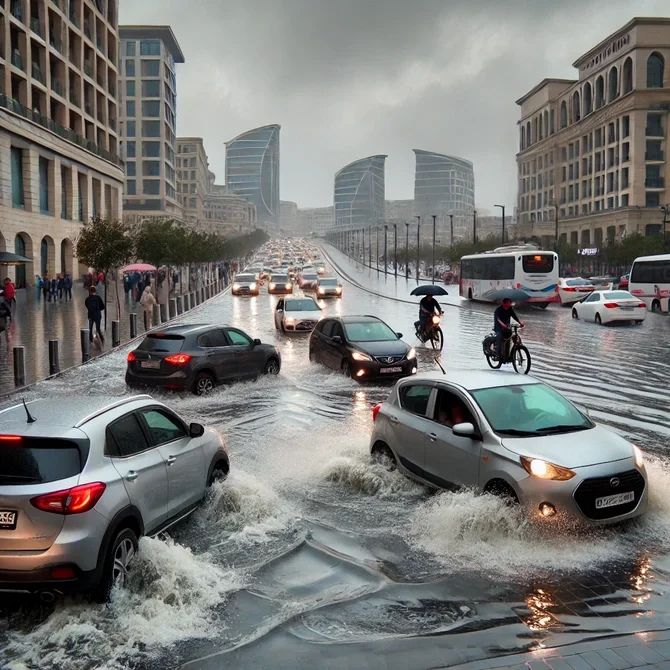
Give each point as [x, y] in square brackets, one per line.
[432, 333]
[513, 351]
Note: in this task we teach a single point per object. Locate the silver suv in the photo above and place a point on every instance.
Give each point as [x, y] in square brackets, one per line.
[81, 479]
[513, 436]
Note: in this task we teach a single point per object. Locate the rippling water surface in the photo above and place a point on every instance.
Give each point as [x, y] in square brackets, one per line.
[309, 551]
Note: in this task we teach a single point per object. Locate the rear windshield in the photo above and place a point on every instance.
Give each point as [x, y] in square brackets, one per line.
[329, 282]
[162, 343]
[245, 278]
[309, 275]
[301, 306]
[276, 278]
[578, 282]
[619, 295]
[38, 461]
[538, 263]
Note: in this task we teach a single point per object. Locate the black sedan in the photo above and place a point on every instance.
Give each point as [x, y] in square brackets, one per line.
[361, 347]
[198, 357]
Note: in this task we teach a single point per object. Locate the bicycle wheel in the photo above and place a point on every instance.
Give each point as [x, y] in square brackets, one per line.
[437, 339]
[521, 360]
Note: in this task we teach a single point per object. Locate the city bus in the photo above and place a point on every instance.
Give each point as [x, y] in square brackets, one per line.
[650, 281]
[525, 269]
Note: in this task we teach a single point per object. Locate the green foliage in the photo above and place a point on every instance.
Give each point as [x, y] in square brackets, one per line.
[104, 245]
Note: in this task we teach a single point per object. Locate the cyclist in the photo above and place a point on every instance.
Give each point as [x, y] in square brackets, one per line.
[501, 322]
[427, 307]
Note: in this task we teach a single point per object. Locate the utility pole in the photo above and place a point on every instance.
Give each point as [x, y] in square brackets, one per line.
[407, 252]
[554, 204]
[474, 226]
[370, 247]
[666, 211]
[503, 222]
[418, 247]
[451, 226]
[395, 249]
[377, 259]
[434, 224]
[386, 262]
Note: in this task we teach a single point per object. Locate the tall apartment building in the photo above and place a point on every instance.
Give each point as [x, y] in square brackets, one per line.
[592, 161]
[58, 128]
[192, 178]
[148, 121]
[359, 193]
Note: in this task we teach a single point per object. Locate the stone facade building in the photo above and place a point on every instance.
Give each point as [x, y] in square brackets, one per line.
[192, 178]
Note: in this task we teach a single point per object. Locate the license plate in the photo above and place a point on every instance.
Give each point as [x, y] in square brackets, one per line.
[627, 309]
[618, 499]
[395, 369]
[152, 365]
[7, 520]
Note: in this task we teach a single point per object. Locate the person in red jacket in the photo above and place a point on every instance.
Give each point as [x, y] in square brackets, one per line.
[9, 294]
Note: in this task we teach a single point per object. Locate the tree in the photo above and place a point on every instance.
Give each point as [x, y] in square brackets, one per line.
[106, 245]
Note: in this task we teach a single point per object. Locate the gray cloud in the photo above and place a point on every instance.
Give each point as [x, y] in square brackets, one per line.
[349, 78]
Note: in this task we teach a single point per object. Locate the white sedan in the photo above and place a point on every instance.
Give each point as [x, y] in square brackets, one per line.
[610, 306]
[573, 289]
[297, 315]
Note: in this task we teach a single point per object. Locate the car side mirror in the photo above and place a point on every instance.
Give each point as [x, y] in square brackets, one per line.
[337, 339]
[399, 335]
[465, 430]
[257, 341]
[196, 430]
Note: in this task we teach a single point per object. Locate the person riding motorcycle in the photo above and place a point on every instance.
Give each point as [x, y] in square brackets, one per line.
[427, 307]
[501, 322]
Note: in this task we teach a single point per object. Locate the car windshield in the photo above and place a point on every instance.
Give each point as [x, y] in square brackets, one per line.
[279, 278]
[301, 306]
[577, 282]
[529, 409]
[245, 277]
[329, 282]
[618, 295]
[369, 331]
[160, 342]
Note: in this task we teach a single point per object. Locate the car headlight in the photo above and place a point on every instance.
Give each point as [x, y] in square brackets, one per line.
[290, 319]
[252, 287]
[273, 287]
[544, 470]
[288, 286]
[321, 291]
[236, 287]
[358, 356]
[339, 289]
[639, 456]
[412, 354]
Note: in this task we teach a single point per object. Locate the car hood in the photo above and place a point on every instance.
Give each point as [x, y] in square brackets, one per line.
[391, 348]
[573, 450]
[304, 315]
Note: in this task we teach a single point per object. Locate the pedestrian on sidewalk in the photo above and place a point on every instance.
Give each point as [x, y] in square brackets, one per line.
[67, 285]
[52, 289]
[39, 284]
[147, 301]
[95, 307]
[9, 295]
[60, 286]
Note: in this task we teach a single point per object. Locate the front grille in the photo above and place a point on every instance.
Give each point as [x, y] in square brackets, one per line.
[389, 360]
[306, 325]
[590, 489]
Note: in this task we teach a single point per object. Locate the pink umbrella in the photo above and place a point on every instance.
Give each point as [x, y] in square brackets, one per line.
[139, 267]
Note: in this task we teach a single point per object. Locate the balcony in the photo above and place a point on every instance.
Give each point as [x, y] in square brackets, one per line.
[17, 10]
[37, 73]
[57, 86]
[654, 183]
[654, 131]
[17, 61]
[35, 27]
[653, 156]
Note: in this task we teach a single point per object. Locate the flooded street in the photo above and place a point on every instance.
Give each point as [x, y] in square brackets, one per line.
[309, 555]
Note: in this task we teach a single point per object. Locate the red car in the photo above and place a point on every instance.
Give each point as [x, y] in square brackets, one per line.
[623, 282]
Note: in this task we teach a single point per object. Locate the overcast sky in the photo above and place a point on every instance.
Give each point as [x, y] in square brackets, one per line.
[351, 78]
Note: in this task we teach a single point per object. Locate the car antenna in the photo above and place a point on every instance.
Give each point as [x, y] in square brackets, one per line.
[444, 372]
[31, 418]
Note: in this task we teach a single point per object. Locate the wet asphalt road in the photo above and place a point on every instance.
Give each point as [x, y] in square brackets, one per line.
[310, 556]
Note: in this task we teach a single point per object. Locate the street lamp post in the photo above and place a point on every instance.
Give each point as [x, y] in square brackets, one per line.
[370, 247]
[474, 226]
[434, 224]
[451, 226]
[407, 252]
[377, 259]
[418, 247]
[554, 204]
[386, 263]
[666, 211]
[503, 222]
[395, 249]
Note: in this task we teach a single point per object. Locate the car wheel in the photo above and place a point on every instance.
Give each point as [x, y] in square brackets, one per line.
[346, 369]
[469, 294]
[598, 319]
[501, 489]
[203, 383]
[383, 455]
[117, 564]
[219, 473]
[272, 367]
[574, 313]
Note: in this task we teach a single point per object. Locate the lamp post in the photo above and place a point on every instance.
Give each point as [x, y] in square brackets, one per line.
[386, 264]
[395, 249]
[407, 252]
[451, 226]
[554, 204]
[370, 247]
[503, 222]
[418, 247]
[434, 224]
[666, 211]
[474, 226]
[377, 259]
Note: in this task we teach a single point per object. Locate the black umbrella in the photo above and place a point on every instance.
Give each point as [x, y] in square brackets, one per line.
[429, 289]
[8, 258]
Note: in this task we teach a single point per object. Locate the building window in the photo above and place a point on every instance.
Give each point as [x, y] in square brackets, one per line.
[151, 187]
[588, 99]
[130, 108]
[624, 200]
[151, 149]
[628, 75]
[654, 126]
[624, 178]
[564, 115]
[192, 203]
[151, 168]
[151, 68]
[150, 48]
[151, 108]
[655, 67]
[600, 92]
[131, 168]
[130, 149]
[151, 88]
[625, 126]
[576, 109]
[654, 151]
[652, 200]
[130, 48]
[130, 128]
[131, 187]
[613, 84]
[151, 128]
[17, 178]
[130, 88]
[130, 68]
[44, 185]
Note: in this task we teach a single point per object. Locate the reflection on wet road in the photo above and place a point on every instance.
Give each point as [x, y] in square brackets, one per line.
[309, 555]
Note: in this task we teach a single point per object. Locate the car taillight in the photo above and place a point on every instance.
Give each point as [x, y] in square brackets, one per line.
[567, 289]
[375, 411]
[178, 359]
[611, 305]
[643, 304]
[10, 438]
[76, 500]
[131, 357]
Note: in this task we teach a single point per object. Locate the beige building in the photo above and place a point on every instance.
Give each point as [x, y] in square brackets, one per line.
[227, 213]
[58, 128]
[192, 178]
[288, 218]
[148, 121]
[593, 150]
[316, 221]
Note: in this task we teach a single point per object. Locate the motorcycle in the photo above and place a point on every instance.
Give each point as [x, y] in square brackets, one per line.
[512, 351]
[431, 333]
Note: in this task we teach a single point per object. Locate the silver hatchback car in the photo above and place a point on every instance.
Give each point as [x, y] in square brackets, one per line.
[513, 436]
[81, 479]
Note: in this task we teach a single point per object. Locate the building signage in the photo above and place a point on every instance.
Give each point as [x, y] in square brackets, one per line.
[588, 252]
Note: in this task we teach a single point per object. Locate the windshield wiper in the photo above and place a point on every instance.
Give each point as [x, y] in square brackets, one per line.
[563, 428]
[514, 431]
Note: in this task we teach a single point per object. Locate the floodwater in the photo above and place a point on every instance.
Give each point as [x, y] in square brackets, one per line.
[311, 556]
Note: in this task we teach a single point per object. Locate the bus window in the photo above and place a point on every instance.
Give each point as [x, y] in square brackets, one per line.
[538, 263]
[650, 272]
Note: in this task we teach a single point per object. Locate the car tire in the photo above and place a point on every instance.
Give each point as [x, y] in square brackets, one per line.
[203, 383]
[346, 369]
[599, 321]
[116, 564]
[501, 489]
[271, 367]
[574, 314]
[219, 473]
[382, 454]
[469, 294]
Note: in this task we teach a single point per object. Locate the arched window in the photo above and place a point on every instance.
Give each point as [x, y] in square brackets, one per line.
[613, 87]
[546, 124]
[564, 115]
[576, 110]
[529, 139]
[523, 138]
[552, 125]
[600, 92]
[628, 75]
[540, 128]
[588, 99]
[655, 67]
[535, 135]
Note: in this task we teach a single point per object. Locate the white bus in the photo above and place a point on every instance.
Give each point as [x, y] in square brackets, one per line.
[650, 281]
[526, 269]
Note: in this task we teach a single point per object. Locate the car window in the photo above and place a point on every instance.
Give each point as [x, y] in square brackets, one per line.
[160, 342]
[414, 398]
[337, 330]
[450, 410]
[238, 338]
[35, 460]
[213, 338]
[280, 305]
[125, 437]
[327, 328]
[594, 297]
[162, 427]
[577, 282]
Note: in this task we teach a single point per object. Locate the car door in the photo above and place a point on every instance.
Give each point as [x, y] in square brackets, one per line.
[182, 454]
[142, 468]
[249, 358]
[587, 310]
[321, 336]
[336, 350]
[451, 460]
[408, 423]
[220, 357]
[279, 313]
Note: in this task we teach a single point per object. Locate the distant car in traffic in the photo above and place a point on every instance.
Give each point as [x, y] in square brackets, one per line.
[308, 279]
[610, 306]
[280, 283]
[329, 287]
[85, 479]
[321, 269]
[514, 437]
[573, 289]
[246, 284]
[297, 314]
[197, 357]
[361, 347]
[624, 281]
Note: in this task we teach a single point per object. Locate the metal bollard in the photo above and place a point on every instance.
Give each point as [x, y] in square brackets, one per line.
[19, 366]
[133, 325]
[207, 292]
[85, 345]
[180, 305]
[163, 311]
[155, 316]
[54, 365]
[116, 334]
[172, 308]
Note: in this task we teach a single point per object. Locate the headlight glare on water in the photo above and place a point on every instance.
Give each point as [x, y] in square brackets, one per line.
[544, 470]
